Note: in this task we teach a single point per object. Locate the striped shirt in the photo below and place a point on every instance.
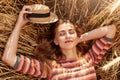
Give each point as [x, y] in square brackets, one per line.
[82, 68]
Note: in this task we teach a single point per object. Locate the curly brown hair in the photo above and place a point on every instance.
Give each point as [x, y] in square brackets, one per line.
[47, 50]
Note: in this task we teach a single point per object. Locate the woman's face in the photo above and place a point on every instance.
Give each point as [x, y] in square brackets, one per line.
[66, 36]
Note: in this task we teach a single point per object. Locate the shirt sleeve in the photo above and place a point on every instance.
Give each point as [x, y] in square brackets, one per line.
[28, 66]
[99, 49]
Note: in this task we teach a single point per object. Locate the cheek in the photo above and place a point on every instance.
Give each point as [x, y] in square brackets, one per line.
[61, 39]
[75, 39]
[74, 36]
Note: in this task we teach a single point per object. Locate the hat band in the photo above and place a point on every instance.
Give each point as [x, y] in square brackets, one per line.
[37, 15]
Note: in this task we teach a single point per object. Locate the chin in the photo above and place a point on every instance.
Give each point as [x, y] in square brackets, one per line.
[69, 47]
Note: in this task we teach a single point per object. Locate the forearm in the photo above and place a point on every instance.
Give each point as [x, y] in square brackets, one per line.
[108, 31]
[9, 55]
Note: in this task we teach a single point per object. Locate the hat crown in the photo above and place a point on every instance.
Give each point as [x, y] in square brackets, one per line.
[41, 14]
[39, 8]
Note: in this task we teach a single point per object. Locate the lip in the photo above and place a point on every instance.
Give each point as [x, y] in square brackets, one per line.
[68, 41]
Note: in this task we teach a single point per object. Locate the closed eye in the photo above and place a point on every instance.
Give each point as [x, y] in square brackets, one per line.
[62, 33]
[71, 31]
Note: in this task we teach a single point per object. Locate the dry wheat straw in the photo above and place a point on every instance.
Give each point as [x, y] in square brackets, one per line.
[89, 14]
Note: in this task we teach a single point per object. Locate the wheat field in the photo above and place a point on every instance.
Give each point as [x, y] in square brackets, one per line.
[89, 14]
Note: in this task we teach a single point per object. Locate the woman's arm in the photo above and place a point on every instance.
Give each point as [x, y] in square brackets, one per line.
[9, 55]
[108, 31]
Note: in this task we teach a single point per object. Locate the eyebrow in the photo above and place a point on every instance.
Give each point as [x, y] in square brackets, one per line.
[64, 30]
[71, 29]
[61, 31]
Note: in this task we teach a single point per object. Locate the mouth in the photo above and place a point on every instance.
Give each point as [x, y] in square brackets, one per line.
[68, 41]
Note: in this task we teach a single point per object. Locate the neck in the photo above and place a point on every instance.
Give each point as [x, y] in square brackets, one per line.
[70, 53]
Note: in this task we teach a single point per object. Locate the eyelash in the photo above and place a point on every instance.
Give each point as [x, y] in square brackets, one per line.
[70, 32]
[62, 34]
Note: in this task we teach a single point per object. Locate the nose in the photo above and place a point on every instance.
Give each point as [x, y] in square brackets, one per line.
[67, 35]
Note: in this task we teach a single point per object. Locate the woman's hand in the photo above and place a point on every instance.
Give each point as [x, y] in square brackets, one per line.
[22, 20]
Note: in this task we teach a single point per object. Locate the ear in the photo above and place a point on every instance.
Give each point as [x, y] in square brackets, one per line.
[55, 41]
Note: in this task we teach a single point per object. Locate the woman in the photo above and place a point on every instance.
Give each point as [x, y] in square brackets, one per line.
[67, 62]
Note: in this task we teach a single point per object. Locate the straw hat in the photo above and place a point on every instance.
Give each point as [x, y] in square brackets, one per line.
[41, 14]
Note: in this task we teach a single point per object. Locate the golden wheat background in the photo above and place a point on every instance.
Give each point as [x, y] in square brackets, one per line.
[89, 14]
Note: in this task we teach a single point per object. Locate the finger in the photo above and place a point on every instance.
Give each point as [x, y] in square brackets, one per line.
[26, 8]
[29, 12]
[25, 12]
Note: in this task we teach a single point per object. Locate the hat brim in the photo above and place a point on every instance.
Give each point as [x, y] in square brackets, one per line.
[51, 19]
